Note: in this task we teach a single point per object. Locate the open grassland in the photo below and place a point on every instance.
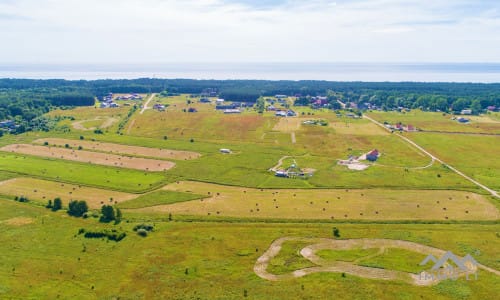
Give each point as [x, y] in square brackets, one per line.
[42, 190]
[45, 258]
[365, 204]
[159, 197]
[434, 121]
[88, 118]
[210, 125]
[90, 157]
[126, 180]
[122, 149]
[476, 156]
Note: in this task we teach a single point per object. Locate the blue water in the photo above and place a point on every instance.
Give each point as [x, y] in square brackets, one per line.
[429, 72]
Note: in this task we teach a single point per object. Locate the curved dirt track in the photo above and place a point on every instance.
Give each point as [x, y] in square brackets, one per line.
[323, 265]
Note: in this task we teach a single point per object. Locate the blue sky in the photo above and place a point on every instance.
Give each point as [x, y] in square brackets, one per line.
[150, 31]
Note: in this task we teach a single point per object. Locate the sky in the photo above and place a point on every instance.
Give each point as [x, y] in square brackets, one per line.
[165, 31]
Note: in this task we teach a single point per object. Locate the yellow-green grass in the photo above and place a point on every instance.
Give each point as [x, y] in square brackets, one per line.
[208, 125]
[43, 190]
[90, 157]
[126, 180]
[434, 121]
[368, 204]
[396, 259]
[159, 197]
[48, 259]
[476, 156]
[121, 149]
[346, 255]
[289, 259]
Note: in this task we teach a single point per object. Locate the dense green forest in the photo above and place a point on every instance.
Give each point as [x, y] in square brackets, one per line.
[25, 100]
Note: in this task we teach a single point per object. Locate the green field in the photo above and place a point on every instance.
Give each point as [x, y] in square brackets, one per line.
[94, 175]
[160, 197]
[189, 260]
[216, 215]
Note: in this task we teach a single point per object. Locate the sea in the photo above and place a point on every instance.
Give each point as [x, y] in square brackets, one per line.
[371, 72]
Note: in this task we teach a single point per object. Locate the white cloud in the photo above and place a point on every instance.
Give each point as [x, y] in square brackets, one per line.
[217, 30]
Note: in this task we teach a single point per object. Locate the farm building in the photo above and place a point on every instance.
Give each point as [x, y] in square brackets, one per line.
[463, 120]
[466, 112]
[232, 111]
[224, 107]
[205, 100]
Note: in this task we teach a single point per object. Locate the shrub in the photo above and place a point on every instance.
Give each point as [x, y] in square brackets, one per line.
[146, 227]
[57, 204]
[142, 232]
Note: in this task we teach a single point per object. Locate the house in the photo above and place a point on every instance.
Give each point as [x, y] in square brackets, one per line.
[104, 105]
[192, 110]
[159, 107]
[219, 101]
[491, 108]
[280, 96]
[280, 113]
[466, 112]
[281, 174]
[410, 128]
[113, 104]
[271, 108]
[232, 111]
[372, 155]
[209, 92]
[225, 151]
[463, 120]
[291, 113]
[205, 100]
[224, 107]
[399, 127]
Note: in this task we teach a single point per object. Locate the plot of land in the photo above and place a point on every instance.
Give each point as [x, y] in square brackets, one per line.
[91, 157]
[372, 204]
[405, 256]
[122, 149]
[288, 124]
[92, 124]
[17, 221]
[357, 128]
[43, 190]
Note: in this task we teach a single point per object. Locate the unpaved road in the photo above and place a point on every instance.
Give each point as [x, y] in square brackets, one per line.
[151, 97]
[309, 252]
[489, 190]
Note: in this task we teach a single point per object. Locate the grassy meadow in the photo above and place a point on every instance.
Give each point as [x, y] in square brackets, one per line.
[44, 257]
[215, 214]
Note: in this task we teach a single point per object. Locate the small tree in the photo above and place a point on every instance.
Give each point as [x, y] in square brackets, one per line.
[49, 204]
[118, 218]
[77, 208]
[336, 232]
[57, 204]
[108, 214]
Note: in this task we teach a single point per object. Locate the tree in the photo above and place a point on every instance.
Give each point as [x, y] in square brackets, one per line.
[77, 208]
[107, 214]
[336, 232]
[49, 204]
[118, 218]
[57, 204]
[475, 107]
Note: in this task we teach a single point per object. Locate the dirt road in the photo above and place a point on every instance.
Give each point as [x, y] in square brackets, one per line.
[151, 97]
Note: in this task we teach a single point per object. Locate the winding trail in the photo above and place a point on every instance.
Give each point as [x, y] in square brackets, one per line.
[489, 190]
[322, 265]
[151, 97]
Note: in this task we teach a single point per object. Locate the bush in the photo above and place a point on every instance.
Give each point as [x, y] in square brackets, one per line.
[146, 227]
[112, 235]
[142, 232]
[57, 204]
[77, 208]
